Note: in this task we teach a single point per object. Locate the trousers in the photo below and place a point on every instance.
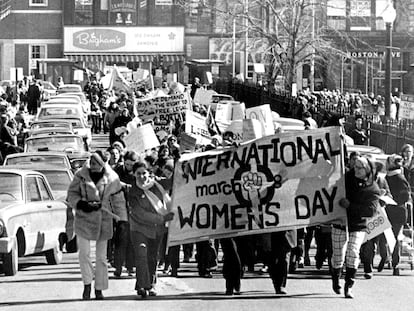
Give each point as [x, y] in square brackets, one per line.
[86, 266]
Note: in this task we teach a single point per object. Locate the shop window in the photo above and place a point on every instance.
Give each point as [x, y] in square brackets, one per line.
[38, 2]
[36, 52]
[83, 12]
[123, 12]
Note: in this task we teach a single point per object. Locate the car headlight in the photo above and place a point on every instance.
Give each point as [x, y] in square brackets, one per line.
[2, 228]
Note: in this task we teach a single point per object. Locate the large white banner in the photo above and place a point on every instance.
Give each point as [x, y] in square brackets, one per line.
[278, 182]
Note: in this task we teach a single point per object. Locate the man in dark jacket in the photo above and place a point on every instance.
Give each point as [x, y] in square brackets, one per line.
[33, 97]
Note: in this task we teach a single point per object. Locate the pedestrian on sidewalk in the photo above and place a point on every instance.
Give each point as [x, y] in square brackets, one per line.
[361, 202]
[96, 195]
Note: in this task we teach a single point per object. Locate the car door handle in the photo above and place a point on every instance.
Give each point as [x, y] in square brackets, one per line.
[49, 206]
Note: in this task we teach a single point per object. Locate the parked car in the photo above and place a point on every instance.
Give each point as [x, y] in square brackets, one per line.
[50, 130]
[38, 158]
[66, 99]
[31, 220]
[85, 102]
[58, 110]
[69, 143]
[59, 177]
[71, 161]
[66, 88]
[61, 123]
[80, 126]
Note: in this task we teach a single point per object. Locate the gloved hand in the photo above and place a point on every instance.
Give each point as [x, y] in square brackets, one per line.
[84, 206]
[168, 217]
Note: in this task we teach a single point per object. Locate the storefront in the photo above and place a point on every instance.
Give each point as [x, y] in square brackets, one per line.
[133, 47]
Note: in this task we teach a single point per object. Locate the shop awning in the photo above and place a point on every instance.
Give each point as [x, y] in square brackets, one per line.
[142, 58]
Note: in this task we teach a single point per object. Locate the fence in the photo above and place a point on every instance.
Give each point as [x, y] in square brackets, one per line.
[389, 136]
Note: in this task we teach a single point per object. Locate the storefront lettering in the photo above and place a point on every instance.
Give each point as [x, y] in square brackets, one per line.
[371, 54]
[99, 39]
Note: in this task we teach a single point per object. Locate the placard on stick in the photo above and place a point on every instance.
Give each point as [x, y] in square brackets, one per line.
[141, 139]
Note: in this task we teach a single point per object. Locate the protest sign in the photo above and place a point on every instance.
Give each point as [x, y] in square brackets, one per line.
[118, 82]
[141, 138]
[264, 114]
[275, 183]
[187, 142]
[245, 130]
[204, 97]
[230, 110]
[163, 110]
[196, 126]
[406, 110]
[378, 224]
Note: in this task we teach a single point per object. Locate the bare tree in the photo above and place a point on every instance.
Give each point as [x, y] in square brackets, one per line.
[294, 32]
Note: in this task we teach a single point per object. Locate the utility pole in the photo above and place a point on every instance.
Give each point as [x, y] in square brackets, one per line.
[312, 61]
[246, 58]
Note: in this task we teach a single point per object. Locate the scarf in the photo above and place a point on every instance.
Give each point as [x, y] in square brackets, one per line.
[394, 172]
[161, 207]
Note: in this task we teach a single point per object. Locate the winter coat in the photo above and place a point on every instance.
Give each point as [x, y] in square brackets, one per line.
[143, 217]
[96, 225]
[400, 190]
[363, 201]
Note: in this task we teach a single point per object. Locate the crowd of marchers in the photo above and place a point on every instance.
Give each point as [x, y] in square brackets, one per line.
[121, 199]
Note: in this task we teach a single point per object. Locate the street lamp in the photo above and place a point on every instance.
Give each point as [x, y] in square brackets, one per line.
[388, 15]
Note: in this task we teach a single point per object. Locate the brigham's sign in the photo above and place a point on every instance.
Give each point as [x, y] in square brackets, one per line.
[99, 39]
[275, 183]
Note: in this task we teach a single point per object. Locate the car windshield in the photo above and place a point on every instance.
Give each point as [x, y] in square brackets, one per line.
[50, 159]
[60, 143]
[69, 89]
[10, 187]
[36, 126]
[58, 111]
[58, 180]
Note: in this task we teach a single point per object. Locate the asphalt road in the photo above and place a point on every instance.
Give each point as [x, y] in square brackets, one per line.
[39, 286]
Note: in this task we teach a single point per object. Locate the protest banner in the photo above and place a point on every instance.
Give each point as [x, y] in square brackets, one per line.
[163, 110]
[204, 97]
[275, 183]
[264, 114]
[196, 126]
[141, 138]
[245, 130]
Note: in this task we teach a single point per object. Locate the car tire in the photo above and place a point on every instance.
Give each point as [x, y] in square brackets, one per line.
[72, 246]
[11, 261]
[54, 256]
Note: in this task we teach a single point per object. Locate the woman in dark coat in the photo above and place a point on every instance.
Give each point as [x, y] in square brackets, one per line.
[361, 202]
[149, 211]
[397, 214]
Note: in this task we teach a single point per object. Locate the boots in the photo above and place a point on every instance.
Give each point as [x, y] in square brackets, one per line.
[336, 276]
[349, 281]
[86, 295]
[98, 294]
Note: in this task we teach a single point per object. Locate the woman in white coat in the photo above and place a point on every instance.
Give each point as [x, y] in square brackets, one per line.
[96, 195]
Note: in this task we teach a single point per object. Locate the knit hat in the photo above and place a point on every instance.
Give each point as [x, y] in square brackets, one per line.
[394, 162]
[100, 157]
